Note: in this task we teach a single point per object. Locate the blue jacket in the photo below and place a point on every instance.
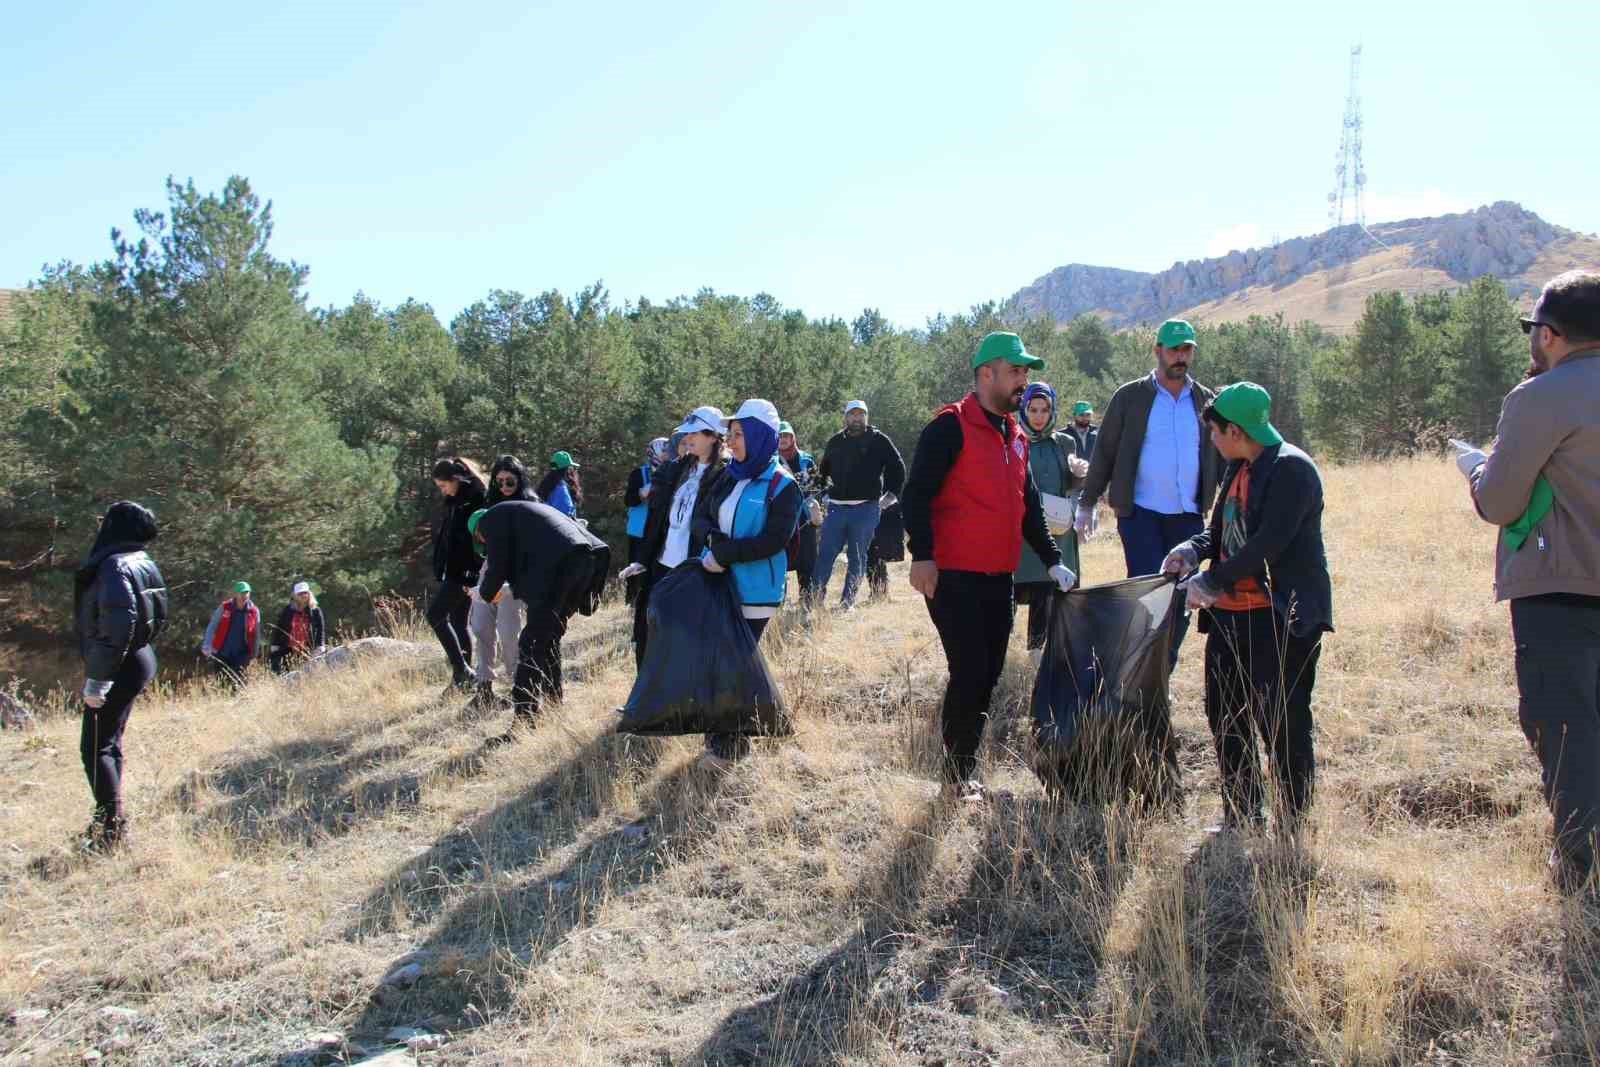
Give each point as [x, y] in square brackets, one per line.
[638, 508]
[767, 515]
[561, 499]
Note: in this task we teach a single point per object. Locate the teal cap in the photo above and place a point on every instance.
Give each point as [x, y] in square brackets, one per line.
[472, 527]
[241, 587]
[562, 461]
[784, 427]
[1006, 346]
[1249, 407]
[1175, 332]
[1083, 407]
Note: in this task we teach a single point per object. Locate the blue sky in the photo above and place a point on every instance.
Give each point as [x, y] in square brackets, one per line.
[915, 157]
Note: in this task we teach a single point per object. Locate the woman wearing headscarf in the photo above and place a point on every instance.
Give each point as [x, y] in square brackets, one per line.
[637, 499]
[560, 487]
[804, 468]
[1058, 471]
[119, 607]
[455, 564]
[301, 631]
[746, 514]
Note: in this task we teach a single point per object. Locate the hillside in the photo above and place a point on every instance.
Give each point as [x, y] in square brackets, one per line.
[1326, 278]
[580, 899]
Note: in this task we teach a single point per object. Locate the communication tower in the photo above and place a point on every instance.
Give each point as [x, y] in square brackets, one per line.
[1349, 173]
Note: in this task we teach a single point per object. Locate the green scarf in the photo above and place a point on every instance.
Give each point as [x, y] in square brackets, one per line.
[1539, 506]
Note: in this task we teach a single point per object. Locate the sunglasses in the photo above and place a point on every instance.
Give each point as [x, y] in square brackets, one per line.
[506, 483]
[1529, 324]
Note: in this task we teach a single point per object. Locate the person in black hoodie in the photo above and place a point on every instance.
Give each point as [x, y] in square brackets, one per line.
[119, 607]
[554, 566]
[862, 472]
[455, 565]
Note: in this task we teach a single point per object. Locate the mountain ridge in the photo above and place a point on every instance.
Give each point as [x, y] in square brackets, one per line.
[1324, 277]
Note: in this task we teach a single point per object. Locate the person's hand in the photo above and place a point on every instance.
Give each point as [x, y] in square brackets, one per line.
[1468, 457]
[92, 696]
[925, 577]
[1064, 578]
[709, 562]
[1083, 522]
[1181, 561]
[644, 493]
[887, 501]
[630, 571]
[1078, 466]
[472, 593]
[1201, 591]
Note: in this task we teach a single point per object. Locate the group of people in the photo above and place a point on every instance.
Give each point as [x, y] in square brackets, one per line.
[232, 638]
[998, 497]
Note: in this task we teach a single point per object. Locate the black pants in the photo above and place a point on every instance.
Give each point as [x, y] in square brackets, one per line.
[101, 741]
[1037, 596]
[538, 677]
[804, 560]
[736, 746]
[1259, 679]
[232, 672]
[877, 573]
[1558, 683]
[630, 589]
[641, 632]
[973, 614]
[447, 614]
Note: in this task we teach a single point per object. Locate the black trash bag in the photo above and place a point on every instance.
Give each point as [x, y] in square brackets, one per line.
[1102, 726]
[702, 671]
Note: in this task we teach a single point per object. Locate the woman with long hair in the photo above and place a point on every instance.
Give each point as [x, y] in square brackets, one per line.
[745, 516]
[455, 564]
[119, 607]
[300, 632]
[667, 528]
[560, 487]
[496, 624]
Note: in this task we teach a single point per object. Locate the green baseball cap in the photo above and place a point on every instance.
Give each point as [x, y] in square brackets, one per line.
[1249, 407]
[472, 527]
[563, 460]
[241, 587]
[1006, 346]
[1083, 407]
[784, 427]
[1175, 332]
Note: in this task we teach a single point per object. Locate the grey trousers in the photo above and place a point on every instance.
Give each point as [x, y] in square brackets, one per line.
[496, 624]
[1558, 682]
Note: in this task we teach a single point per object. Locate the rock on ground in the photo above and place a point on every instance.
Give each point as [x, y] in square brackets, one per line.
[344, 657]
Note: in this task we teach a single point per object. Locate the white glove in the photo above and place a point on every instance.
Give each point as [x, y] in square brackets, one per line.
[887, 501]
[630, 571]
[94, 693]
[1083, 522]
[709, 562]
[1078, 466]
[1063, 577]
[814, 511]
[1468, 457]
[1201, 591]
[1181, 561]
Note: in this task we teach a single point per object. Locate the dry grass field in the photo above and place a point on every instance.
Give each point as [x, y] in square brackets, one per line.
[581, 898]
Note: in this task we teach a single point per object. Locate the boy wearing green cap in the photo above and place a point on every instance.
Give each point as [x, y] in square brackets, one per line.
[229, 643]
[1268, 600]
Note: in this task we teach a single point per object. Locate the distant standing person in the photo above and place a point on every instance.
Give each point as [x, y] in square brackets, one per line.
[560, 487]
[970, 502]
[1268, 601]
[862, 472]
[455, 565]
[1542, 487]
[301, 631]
[1083, 429]
[804, 470]
[637, 499]
[230, 641]
[119, 607]
[496, 625]
[1155, 462]
[1057, 470]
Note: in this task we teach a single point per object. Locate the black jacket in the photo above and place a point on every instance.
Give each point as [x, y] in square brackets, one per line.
[1283, 549]
[279, 651]
[783, 518]
[549, 560]
[119, 597]
[863, 467]
[1114, 464]
[454, 558]
[663, 485]
[630, 495]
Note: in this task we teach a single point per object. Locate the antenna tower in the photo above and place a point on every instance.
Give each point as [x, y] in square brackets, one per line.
[1349, 174]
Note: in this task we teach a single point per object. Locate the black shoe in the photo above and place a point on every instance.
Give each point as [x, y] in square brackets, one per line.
[483, 696]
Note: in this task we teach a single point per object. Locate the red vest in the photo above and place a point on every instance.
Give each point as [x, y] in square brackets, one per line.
[251, 616]
[977, 514]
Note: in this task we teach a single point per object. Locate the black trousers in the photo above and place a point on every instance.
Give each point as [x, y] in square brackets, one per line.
[538, 677]
[101, 742]
[630, 589]
[973, 614]
[447, 614]
[1037, 596]
[1558, 683]
[736, 746]
[805, 559]
[1259, 679]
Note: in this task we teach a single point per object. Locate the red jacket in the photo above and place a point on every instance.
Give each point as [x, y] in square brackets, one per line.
[252, 619]
[977, 513]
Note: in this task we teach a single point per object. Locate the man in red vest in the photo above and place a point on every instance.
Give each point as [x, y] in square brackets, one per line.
[968, 503]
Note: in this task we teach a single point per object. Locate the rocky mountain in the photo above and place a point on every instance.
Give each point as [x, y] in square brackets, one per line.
[1325, 278]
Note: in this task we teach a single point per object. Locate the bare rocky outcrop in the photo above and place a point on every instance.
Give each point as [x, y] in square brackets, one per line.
[343, 657]
[1502, 239]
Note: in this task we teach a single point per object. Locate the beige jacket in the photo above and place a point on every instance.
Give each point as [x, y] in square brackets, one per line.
[1549, 425]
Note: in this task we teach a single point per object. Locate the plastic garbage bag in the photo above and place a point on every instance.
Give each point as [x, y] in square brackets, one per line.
[702, 671]
[1101, 721]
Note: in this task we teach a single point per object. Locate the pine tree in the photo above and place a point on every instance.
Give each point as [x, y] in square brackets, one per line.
[1482, 356]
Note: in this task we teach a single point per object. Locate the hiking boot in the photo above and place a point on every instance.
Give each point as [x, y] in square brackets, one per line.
[483, 697]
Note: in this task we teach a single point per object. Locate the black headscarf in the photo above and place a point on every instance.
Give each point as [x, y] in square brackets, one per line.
[127, 527]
